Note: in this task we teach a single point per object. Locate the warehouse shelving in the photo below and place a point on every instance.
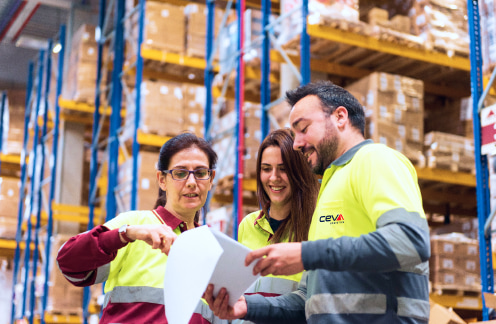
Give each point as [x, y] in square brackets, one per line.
[482, 171]
[30, 220]
[429, 62]
[388, 56]
[9, 163]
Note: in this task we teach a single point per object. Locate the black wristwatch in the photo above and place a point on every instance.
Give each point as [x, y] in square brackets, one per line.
[123, 233]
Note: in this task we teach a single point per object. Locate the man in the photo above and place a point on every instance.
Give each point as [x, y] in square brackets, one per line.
[366, 260]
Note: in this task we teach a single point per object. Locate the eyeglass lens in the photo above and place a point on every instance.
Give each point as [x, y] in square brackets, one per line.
[199, 174]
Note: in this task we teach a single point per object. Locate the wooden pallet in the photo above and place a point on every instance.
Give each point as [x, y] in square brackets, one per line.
[451, 165]
[456, 290]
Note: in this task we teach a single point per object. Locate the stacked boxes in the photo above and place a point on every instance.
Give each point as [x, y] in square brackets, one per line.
[161, 108]
[82, 68]
[196, 31]
[442, 24]
[224, 143]
[193, 109]
[454, 262]
[9, 204]
[380, 17]
[448, 151]
[253, 134]
[63, 297]
[13, 122]
[147, 181]
[164, 27]
[319, 12]
[394, 109]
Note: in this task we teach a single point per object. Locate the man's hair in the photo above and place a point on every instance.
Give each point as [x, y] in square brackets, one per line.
[331, 97]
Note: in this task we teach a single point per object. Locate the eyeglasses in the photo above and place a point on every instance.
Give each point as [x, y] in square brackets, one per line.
[183, 174]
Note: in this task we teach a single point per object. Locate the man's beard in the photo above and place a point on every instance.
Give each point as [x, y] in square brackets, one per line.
[326, 150]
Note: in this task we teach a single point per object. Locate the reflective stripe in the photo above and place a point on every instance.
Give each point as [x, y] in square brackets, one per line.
[102, 273]
[409, 307]
[346, 304]
[400, 215]
[153, 295]
[75, 280]
[203, 309]
[400, 244]
[421, 269]
[300, 294]
[139, 294]
[273, 285]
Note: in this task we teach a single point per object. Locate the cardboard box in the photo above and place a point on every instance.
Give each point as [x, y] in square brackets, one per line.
[394, 111]
[378, 16]
[442, 315]
[63, 297]
[147, 180]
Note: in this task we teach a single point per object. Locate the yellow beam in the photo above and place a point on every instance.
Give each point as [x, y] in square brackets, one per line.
[10, 158]
[85, 107]
[249, 97]
[446, 176]
[196, 63]
[152, 139]
[172, 58]
[72, 213]
[485, 81]
[324, 66]
[458, 302]
[61, 319]
[250, 184]
[358, 73]
[367, 42]
[7, 247]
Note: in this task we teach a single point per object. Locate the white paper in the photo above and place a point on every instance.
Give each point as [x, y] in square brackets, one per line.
[230, 271]
[198, 257]
[190, 264]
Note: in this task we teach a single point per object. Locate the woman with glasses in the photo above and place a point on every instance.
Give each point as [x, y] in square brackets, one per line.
[287, 191]
[130, 251]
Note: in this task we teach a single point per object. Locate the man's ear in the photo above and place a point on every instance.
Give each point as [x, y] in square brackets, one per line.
[341, 114]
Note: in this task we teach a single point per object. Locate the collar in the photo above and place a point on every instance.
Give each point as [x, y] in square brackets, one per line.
[348, 155]
[260, 216]
[169, 219]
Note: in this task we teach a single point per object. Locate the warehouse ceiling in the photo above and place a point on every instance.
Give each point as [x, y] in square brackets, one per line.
[25, 26]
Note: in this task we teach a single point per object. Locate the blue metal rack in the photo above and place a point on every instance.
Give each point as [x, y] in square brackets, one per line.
[482, 172]
[32, 191]
[54, 155]
[35, 109]
[116, 104]
[3, 108]
[114, 34]
[239, 102]
[96, 128]
[303, 76]
[139, 79]
[22, 194]
[40, 149]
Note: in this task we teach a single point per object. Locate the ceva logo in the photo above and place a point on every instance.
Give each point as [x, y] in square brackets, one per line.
[332, 219]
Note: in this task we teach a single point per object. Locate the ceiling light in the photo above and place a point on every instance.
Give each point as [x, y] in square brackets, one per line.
[31, 42]
[57, 48]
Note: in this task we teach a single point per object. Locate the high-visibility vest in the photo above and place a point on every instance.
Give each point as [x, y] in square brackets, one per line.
[136, 275]
[255, 232]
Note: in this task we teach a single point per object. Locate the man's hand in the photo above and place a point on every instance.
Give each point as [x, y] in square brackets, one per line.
[158, 236]
[220, 304]
[277, 259]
